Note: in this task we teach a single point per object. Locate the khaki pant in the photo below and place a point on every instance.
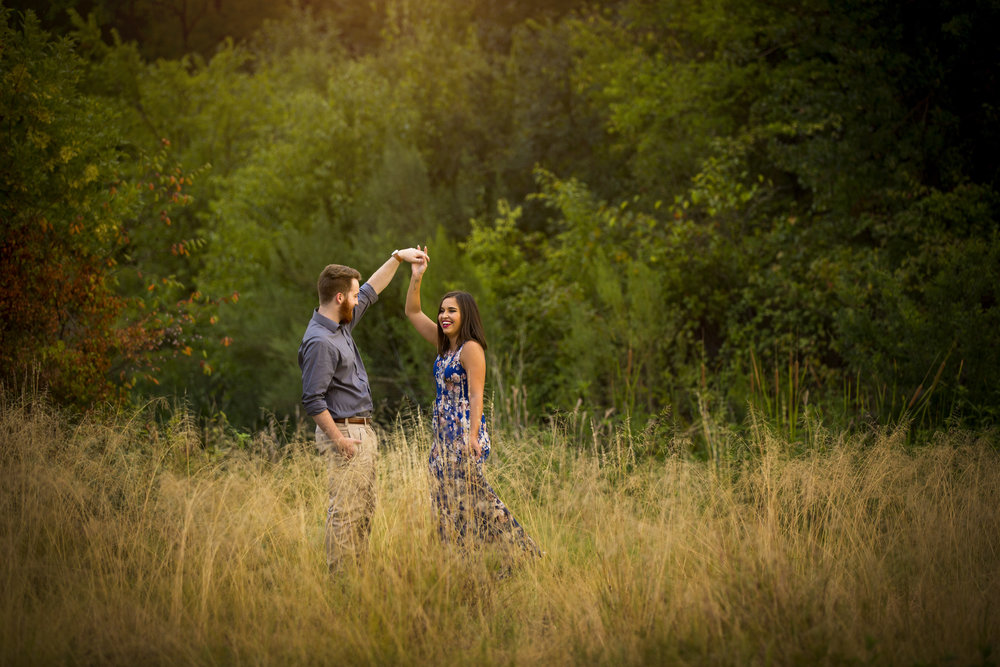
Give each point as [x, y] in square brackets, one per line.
[351, 484]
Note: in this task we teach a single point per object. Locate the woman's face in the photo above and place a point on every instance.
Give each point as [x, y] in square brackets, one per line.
[450, 317]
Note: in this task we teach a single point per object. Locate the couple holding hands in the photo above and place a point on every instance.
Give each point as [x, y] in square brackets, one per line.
[336, 394]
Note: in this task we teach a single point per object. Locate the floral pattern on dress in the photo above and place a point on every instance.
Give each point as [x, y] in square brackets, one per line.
[465, 503]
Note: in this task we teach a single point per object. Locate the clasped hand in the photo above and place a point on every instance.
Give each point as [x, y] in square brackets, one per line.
[414, 255]
[419, 265]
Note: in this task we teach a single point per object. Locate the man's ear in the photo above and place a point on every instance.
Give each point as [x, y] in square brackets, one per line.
[339, 298]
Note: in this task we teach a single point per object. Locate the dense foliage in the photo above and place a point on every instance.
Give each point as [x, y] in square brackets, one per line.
[86, 309]
[656, 203]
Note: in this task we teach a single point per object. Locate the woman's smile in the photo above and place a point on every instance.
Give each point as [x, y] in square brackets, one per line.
[449, 316]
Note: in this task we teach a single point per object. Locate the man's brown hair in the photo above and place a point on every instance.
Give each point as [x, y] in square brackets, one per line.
[335, 279]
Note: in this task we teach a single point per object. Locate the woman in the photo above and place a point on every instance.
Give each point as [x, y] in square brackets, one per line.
[465, 503]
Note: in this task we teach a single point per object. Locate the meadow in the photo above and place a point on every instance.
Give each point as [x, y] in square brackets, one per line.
[125, 540]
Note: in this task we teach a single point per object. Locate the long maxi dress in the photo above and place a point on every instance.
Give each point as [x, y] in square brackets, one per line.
[467, 506]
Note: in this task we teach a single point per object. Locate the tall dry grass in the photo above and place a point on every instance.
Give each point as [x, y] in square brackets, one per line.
[124, 544]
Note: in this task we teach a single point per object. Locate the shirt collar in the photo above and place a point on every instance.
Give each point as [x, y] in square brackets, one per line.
[324, 321]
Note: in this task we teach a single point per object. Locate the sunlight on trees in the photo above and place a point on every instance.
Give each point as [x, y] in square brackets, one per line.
[656, 202]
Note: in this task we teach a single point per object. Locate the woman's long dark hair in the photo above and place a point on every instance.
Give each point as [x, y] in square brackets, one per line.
[471, 327]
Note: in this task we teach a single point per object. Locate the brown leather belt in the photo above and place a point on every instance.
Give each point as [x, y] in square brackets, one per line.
[354, 420]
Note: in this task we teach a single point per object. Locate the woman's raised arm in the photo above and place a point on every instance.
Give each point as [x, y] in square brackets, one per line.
[424, 325]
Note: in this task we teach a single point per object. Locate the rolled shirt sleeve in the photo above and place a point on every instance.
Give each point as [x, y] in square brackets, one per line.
[318, 361]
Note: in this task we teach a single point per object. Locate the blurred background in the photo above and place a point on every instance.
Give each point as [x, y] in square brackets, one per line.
[662, 207]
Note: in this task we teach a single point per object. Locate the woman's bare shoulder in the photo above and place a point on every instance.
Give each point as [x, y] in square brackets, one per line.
[472, 351]
[473, 345]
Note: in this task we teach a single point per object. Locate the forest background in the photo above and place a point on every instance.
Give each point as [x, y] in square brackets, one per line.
[664, 209]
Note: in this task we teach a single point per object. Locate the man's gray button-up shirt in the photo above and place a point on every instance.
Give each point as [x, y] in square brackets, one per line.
[333, 375]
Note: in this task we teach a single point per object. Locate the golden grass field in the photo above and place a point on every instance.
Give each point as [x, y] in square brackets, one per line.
[122, 544]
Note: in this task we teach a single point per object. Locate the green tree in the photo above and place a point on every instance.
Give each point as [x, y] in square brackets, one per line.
[73, 198]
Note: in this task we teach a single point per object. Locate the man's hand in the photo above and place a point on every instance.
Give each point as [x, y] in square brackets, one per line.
[348, 447]
[341, 443]
[413, 255]
[380, 279]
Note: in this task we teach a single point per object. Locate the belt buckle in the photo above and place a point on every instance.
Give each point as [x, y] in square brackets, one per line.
[354, 420]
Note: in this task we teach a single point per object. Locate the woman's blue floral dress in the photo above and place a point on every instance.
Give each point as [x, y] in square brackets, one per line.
[465, 503]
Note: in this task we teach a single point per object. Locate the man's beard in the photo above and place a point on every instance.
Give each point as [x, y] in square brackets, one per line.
[346, 313]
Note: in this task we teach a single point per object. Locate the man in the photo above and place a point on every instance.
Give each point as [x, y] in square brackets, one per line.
[335, 393]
